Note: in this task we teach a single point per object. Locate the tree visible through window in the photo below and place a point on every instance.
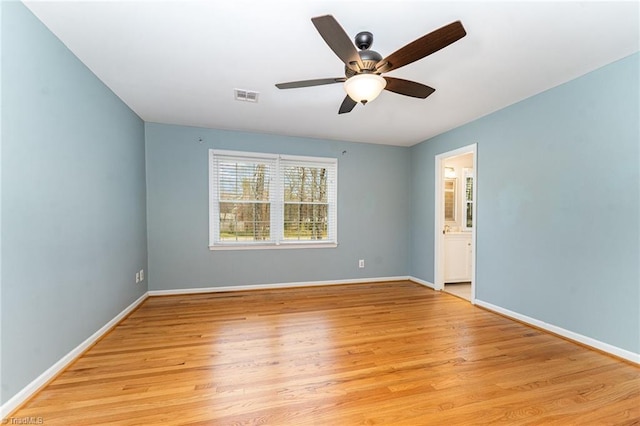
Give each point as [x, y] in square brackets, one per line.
[263, 199]
[306, 211]
[244, 201]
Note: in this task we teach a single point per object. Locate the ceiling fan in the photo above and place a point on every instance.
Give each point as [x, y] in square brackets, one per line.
[362, 80]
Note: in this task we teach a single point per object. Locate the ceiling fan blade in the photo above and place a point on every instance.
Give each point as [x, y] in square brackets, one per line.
[424, 46]
[338, 40]
[408, 88]
[347, 105]
[309, 83]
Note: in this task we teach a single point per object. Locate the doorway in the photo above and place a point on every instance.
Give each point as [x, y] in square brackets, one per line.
[455, 222]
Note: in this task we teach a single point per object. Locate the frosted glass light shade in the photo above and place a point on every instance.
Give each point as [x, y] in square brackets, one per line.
[364, 87]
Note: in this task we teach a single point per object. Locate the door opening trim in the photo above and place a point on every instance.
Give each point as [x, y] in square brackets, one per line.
[438, 260]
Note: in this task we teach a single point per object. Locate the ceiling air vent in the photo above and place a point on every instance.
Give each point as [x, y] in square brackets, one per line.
[246, 95]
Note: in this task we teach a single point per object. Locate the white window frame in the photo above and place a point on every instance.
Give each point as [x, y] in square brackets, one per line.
[276, 194]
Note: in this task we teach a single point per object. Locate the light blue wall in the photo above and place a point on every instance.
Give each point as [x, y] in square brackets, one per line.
[373, 212]
[558, 205]
[73, 200]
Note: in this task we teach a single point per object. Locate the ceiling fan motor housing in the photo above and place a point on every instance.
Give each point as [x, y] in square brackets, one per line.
[369, 58]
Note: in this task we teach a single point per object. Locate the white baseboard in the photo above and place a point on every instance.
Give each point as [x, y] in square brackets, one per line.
[422, 282]
[588, 341]
[271, 286]
[19, 398]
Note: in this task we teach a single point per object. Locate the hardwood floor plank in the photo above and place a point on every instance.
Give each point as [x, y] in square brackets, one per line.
[379, 353]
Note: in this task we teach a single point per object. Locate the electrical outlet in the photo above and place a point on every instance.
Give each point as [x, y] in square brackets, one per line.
[361, 263]
[141, 274]
[137, 277]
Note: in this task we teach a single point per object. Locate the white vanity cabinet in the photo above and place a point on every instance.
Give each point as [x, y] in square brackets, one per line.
[457, 257]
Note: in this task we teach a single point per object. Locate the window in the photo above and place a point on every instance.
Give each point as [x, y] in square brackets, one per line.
[450, 199]
[468, 202]
[266, 200]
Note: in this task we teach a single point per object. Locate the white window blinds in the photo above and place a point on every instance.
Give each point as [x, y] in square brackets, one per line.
[259, 200]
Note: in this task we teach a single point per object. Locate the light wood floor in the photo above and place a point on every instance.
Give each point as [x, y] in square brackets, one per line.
[462, 290]
[380, 353]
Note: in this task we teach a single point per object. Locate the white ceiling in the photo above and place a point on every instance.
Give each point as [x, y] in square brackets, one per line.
[178, 62]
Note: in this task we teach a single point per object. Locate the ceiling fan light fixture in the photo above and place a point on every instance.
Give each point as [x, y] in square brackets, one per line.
[364, 87]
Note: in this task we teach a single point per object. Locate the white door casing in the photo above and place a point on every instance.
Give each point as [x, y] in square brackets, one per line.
[439, 249]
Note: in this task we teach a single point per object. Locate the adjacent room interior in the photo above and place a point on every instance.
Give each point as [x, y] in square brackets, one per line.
[183, 241]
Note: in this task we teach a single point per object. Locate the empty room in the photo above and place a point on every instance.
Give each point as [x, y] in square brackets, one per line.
[320, 212]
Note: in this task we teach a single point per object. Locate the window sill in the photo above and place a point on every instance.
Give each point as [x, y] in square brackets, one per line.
[282, 246]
